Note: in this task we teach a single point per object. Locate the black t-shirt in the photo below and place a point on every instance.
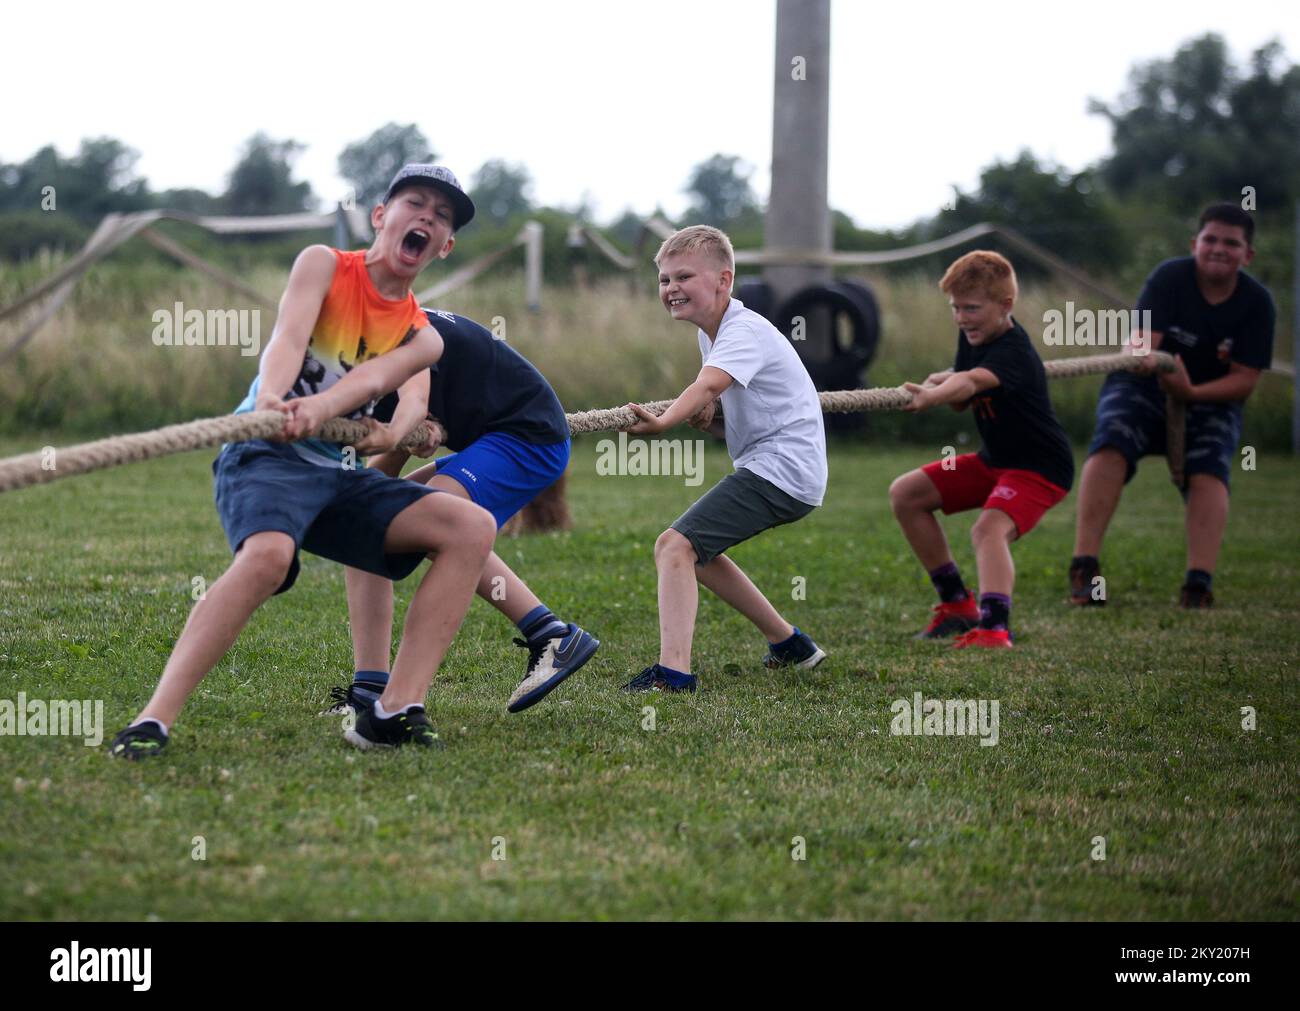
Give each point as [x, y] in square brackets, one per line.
[482, 384]
[1015, 418]
[1208, 337]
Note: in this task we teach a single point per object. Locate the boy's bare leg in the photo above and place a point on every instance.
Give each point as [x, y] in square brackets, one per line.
[914, 499]
[991, 536]
[458, 536]
[725, 578]
[215, 621]
[1206, 520]
[679, 599]
[370, 614]
[1100, 487]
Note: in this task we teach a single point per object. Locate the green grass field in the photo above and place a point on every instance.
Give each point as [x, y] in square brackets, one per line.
[1123, 722]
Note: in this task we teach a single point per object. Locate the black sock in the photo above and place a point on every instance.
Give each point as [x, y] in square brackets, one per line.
[995, 610]
[1199, 579]
[947, 583]
[1090, 562]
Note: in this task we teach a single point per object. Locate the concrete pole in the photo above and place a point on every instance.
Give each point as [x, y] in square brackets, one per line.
[798, 215]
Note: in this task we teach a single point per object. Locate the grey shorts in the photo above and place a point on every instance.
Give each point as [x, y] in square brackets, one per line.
[739, 506]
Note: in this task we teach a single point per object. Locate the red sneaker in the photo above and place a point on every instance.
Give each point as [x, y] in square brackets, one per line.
[984, 638]
[950, 619]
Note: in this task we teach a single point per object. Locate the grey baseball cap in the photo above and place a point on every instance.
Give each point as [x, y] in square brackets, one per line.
[440, 178]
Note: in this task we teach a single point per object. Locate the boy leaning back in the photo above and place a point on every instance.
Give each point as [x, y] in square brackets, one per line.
[349, 330]
[772, 422]
[1024, 467]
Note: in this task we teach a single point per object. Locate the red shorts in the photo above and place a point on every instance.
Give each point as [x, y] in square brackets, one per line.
[967, 482]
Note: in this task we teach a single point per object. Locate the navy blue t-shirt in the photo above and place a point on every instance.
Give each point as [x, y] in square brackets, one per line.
[482, 384]
[1015, 418]
[1208, 337]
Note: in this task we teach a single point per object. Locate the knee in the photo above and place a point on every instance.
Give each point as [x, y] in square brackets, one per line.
[992, 527]
[265, 560]
[673, 547]
[903, 497]
[477, 530]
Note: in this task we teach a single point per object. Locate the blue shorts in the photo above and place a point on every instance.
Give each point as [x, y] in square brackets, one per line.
[503, 473]
[338, 514]
[1131, 419]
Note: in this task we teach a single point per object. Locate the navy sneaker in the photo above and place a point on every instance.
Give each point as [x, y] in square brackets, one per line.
[549, 663]
[145, 740]
[348, 700]
[1193, 598]
[657, 679]
[410, 726]
[801, 652]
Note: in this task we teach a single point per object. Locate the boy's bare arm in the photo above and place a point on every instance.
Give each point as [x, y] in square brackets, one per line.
[957, 388]
[309, 283]
[412, 408]
[365, 383]
[708, 386]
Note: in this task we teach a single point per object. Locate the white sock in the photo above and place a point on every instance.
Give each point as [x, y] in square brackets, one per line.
[384, 714]
[158, 723]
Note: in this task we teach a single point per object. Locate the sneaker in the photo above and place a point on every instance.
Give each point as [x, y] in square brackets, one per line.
[802, 652]
[656, 679]
[347, 700]
[1195, 597]
[951, 619]
[983, 638]
[145, 740]
[410, 726]
[1081, 586]
[549, 663]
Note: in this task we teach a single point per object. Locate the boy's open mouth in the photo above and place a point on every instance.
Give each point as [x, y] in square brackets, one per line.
[677, 301]
[413, 245]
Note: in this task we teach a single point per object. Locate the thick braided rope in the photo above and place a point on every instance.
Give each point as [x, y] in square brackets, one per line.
[42, 467]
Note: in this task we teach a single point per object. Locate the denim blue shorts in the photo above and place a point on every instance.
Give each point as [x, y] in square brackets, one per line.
[503, 473]
[1131, 419]
[338, 514]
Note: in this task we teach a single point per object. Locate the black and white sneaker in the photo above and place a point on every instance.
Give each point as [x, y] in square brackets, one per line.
[143, 740]
[411, 726]
[347, 700]
[802, 652]
[549, 663]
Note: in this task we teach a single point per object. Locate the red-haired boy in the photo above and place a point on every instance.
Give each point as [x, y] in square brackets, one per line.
[1023, 468]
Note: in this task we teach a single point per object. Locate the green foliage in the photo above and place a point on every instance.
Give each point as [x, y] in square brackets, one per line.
[370, 164]
[500, 191]
[25, 234]
[262, 181]
[1195, 129]
[99, 179]
[721, 194]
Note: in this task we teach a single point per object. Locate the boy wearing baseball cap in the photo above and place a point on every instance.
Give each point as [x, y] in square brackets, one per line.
[349, 330]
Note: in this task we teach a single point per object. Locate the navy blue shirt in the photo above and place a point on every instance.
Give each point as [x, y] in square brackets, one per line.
[482, 384]
[1015, 418]
[1209, 337]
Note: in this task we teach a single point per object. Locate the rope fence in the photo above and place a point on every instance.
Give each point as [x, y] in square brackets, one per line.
[51, 464]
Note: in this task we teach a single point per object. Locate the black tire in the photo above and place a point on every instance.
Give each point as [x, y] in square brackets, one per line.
[757, 296]
[847, 361]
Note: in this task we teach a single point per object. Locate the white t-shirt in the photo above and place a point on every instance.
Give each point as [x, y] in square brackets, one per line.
[772, 415]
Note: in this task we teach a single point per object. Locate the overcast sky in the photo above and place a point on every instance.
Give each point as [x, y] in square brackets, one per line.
[614, 100]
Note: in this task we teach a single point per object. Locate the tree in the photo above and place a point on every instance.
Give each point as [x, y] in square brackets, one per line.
[1195, 128]
[370, 164]
[500, 190]
[722, 194]
[98, 179]
[1062, 211]
[262, 181]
